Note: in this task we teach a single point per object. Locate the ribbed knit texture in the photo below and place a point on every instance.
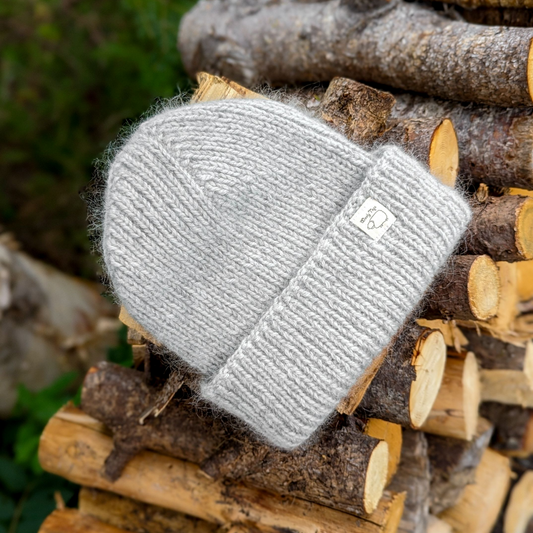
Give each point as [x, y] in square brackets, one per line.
[227, 235]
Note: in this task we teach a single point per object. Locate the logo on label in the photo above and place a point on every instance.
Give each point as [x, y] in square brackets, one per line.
[373, 218]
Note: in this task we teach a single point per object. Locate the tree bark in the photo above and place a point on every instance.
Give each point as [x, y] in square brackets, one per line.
[479, 506]
[137, 516]
[456, 409]
[495, 143]
[494, 354]
[499, 16]
[407, 383]
[77, 452]
[431, 140]
[413, 477]
[467, 289]
[291, 42]
[513, 428]
[342, 468]
[501, 227]
[357, 111]
[453, 465]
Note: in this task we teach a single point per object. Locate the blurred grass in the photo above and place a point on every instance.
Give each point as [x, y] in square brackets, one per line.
[71, 73]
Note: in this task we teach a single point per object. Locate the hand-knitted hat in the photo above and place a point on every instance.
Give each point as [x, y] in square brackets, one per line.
[271, 253]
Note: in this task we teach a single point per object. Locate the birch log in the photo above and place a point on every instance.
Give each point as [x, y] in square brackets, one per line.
[404, 45]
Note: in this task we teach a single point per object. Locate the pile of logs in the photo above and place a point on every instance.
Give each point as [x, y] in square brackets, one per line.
[437, 436]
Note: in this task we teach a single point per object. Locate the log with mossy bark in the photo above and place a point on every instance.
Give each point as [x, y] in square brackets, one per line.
[75, 446]
[495, 143]
[343, 467]
[406, 385]
[455, 412]
[453, 465]
[291, 42]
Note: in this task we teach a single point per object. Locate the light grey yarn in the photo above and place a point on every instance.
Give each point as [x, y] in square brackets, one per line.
[227, 235]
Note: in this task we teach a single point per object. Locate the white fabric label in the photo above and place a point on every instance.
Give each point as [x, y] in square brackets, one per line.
[373, 218]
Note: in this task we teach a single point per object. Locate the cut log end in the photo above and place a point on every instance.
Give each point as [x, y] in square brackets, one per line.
[376, 476]
[429, 361]
[484, 288]
[444, 153]
[524, 226]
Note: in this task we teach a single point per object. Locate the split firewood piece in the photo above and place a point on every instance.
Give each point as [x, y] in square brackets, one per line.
[291, 42]
[432, 141]
[406, 385]
[219, 88]
[413, 477]
[501, 227]
[137, 516]
[356, 462]
[140, 332]
[495, 143]
[453, 465]
[356, 110]
[468, 288]
[479, 506]
[72, 521]
[455, 412]
[509, 387]
[519, 510]
[513, 428]
[78, 453]
[453, 336]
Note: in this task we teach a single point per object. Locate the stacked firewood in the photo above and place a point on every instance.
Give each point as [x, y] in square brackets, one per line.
[438, 434]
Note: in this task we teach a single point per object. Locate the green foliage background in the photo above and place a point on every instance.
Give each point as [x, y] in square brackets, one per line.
[72, 73]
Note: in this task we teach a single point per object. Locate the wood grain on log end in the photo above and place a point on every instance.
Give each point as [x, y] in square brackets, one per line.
[455, 412]
[405, 386]
[501, 227]
[524, 229]
[480, 504]
[392, 435]
[376, 476]
[519, 510]
[484, 288]
[467, 289]
[444, 153]
[429, 361]
[72, 521]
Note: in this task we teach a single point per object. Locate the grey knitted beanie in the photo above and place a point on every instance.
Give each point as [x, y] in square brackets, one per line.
[272, 254]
